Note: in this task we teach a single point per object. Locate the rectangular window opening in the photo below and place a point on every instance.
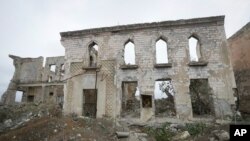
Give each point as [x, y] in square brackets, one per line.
[50, 78]
[130, 100]
[30, 98]
[51, 94]
[62, 71]
[52, 68]
[201, 98]
[59, 101]
[19, 96]
[164, 99]
[146, 101]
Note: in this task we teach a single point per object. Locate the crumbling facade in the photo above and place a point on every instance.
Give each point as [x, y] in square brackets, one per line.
[115, 83]
[102, 80]
[35, 82]
[239, 44]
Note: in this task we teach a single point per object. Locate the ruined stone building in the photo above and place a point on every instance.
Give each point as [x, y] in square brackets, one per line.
[239, 44]
[113, 71]
[37, 83]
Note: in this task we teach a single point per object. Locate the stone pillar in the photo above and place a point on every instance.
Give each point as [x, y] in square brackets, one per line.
[182, 101]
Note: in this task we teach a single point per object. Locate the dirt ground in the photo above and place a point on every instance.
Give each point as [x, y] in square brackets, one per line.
[44, 122]
[61, 129]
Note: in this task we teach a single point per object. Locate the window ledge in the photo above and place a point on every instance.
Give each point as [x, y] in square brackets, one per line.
[165, 65]
[92, 68]
[125, 67]
[201, 63]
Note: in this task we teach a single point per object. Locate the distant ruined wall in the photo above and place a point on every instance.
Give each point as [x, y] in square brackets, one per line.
[27, 70]
[31, 79]
[239, 44]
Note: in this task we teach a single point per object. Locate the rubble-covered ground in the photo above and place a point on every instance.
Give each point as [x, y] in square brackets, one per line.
[44, 122]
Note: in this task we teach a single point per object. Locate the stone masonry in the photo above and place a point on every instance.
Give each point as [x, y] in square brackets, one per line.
[32, 79]
[111, 71]
[95, 80]
[239, 43]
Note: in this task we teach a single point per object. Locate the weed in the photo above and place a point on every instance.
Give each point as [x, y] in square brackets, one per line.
[195, 128]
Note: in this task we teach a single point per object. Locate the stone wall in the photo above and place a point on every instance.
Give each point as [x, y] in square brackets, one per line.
[31, 78]
[109, 78]
[73, 74]
[239, 44]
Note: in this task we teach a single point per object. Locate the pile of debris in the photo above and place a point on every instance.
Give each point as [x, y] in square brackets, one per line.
[44, 121]
[14, 116]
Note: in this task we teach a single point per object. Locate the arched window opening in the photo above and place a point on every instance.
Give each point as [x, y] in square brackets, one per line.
[62, 67]
[62, 70]
[93, 54]
[194, 49]
[161, 52]
[50, 79]
[129, 53]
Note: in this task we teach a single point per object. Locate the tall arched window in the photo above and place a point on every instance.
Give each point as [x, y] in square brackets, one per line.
[93, 54]
[129, 53]
[161, 52]
[194, 49]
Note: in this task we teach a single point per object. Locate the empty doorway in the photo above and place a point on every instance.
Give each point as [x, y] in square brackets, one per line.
[89, 102]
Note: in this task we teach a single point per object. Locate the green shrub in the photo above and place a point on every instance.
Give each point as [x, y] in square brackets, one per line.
[195, 129]
[161, 133]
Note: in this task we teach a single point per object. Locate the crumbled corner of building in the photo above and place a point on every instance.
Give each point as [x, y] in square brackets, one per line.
[94, 81]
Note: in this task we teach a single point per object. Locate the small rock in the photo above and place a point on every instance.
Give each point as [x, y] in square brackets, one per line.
[181, 136]
[39, 115]
[26, 120]
[174, 130]
[177, 125]
[79, 135]
[221, 135]
[238, 113]
[20, 123]
[14, 137]
[30, 114]
[55, 130]
[212, 139]
[142, 134]
[8, 123]
[72, 138]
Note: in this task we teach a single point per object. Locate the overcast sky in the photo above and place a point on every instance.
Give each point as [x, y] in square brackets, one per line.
[30, 28]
